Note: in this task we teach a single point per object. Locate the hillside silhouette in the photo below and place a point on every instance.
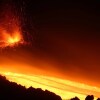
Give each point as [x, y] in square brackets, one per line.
[88, 97]
[13, 91]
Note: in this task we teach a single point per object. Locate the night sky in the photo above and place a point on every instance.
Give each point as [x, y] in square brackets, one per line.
[63, 37]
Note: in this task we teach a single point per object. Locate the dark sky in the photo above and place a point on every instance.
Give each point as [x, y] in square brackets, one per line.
[65, 34]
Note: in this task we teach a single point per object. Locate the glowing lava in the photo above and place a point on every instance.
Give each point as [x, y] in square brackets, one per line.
[8, 39]
[10, 28]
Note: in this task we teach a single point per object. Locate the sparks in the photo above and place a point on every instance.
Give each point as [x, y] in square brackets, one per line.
[10, 28]
[8, 39]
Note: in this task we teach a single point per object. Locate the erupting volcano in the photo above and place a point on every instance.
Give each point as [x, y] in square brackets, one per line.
[10, 39]
[10, 30]
[63, 55]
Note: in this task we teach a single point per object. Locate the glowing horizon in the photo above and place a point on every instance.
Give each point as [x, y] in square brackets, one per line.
[65, 88]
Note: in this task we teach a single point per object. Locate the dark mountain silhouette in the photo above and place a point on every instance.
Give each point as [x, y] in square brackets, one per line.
[75, 98]
[13, 91]
[89, 97]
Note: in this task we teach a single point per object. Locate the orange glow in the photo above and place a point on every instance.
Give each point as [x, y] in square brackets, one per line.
[10, 29]
[65, 88]
[38, 77]
[56, 62]
[11, 39]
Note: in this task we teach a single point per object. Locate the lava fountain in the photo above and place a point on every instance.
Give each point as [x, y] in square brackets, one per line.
[8, 39]
[10, 29]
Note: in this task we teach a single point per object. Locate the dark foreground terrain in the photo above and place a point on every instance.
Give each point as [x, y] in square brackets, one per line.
[13, 91]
